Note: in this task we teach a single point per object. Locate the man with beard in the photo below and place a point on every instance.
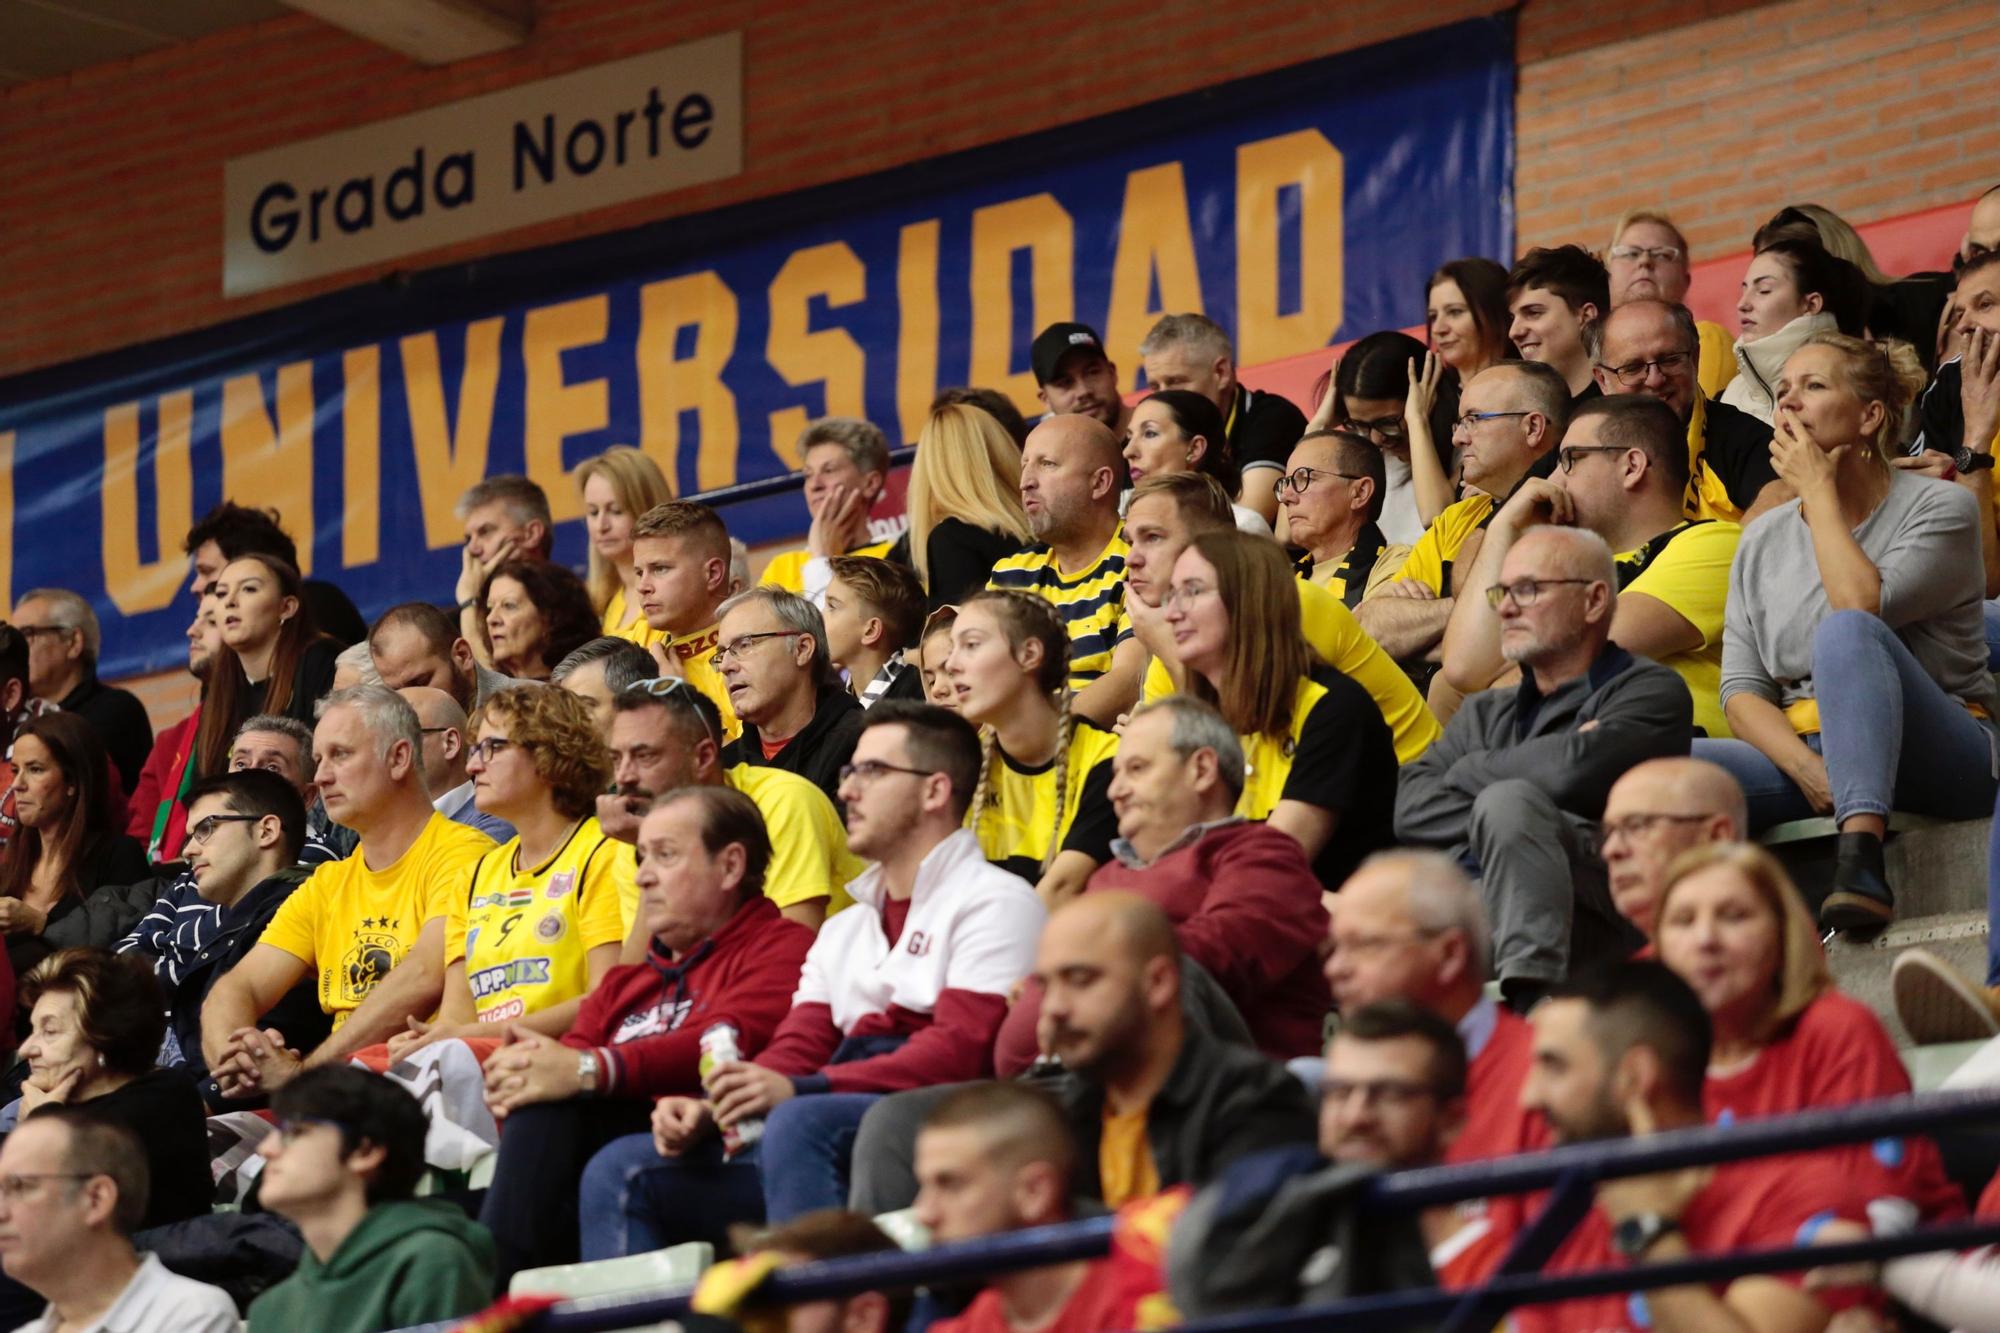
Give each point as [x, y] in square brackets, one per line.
[417, 644]
[158, 817]
[1074, 376]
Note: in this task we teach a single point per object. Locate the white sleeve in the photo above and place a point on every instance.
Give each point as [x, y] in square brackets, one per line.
[817, 575]
[1955, 1290]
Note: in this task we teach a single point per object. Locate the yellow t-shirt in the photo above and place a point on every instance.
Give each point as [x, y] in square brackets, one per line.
[1018, 824]
[1431, 558]
[692, 652]
[525, 933]
[788, 568]
[1125, 1166]
[638, 631]
[1717, 364]
[1091, 602]
[1691, 575]
[1332, 631]
[354, 924]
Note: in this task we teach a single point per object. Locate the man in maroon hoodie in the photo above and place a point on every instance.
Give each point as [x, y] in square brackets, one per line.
[721, 953]
[1243, 898]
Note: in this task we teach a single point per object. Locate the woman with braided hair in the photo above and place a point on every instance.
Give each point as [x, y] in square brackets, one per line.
[1041, 808]
[1321, 761]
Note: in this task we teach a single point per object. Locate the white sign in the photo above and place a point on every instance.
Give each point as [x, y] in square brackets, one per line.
[600, 136]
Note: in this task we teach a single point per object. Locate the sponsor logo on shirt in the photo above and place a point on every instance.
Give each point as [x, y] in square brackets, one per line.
[560, 884]
[666, 1016]
[519, 972]
[919, 945]
[368, 959]
[551, 927]
[503, 1011]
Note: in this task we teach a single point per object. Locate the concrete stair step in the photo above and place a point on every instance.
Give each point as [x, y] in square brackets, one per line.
[1862, 970]
[1936, 868]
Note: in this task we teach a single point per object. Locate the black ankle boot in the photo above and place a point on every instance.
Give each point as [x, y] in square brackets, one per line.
[1861, 900]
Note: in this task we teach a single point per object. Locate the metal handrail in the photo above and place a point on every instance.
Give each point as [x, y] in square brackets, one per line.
[765, 487]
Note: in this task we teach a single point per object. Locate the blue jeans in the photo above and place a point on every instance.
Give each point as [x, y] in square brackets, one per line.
[1892, 739]
[1993, 636]
[808, 1147]
[632, 1200]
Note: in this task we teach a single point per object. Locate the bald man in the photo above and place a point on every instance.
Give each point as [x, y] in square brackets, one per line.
[1516, 785]
[1654, 813]
[1072, 474]
[445, 746]
[1982, 230]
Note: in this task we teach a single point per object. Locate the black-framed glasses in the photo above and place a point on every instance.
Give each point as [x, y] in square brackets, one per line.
[1382, 428]
[734, 648]
[205, 829]
[1633, 373]
[675, 690]
[1524, 591]
[1299, 479]
[1640, 822]
[488, 750]
[17, 1187]
[870, 769]
[1471, 419]
[1567, 455]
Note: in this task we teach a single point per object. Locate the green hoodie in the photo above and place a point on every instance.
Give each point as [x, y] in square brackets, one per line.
[407, 1263]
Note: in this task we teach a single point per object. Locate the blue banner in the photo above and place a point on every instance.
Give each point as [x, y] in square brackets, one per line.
[1297, 209]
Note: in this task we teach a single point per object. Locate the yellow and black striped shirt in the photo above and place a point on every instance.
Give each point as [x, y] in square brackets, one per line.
[1091, 602]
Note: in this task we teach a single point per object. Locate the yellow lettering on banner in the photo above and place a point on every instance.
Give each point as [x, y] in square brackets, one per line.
[556, 409]
[271, 466]
[361, 457]
[1039, 225]
[6, 518]
[801, 355]
[1154, 235]
[135, 584]
[1307, 160]
[669, 385]
[450, 460]
[917, 333]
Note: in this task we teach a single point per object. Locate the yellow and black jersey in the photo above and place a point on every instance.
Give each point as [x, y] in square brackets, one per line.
[1018, 824]
[1431, 558]
[1338, 755]
[1091, 602]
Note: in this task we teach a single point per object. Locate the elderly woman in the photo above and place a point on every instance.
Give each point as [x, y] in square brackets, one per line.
[1854, 670]
[1734, 927]
[95, 1023]
[534, 614]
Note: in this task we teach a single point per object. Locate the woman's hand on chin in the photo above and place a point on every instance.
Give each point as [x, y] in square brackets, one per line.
[46, 1086]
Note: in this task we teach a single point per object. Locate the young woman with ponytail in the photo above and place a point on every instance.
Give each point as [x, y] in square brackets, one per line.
[1041, 808]
[274, 658]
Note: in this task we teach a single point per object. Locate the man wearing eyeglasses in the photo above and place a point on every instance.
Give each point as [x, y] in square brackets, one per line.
[1648, 260]
[1331, 493]
[771, 652]
[1655, 812]
[1516, 784]
[1651, 346]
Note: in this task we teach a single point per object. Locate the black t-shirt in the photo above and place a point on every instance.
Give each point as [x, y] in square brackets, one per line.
[961, 558]
[166, 1114]
[1941, 411]
[1344, 760]
[1737, 449]
[1264, 427]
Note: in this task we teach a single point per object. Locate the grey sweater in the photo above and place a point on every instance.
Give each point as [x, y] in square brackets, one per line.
[1923, 538]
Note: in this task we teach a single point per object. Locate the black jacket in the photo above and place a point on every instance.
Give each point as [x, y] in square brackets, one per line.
[1222, 1102]
[119, 720]
[822, 746]
[110, 861]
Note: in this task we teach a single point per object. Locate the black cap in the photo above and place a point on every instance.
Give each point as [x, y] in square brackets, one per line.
[1057, 341]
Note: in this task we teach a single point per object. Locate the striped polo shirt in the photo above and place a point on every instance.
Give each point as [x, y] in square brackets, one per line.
[1091, 602]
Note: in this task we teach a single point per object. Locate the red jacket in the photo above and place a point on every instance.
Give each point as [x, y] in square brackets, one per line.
[645, 1020]
[160, 783]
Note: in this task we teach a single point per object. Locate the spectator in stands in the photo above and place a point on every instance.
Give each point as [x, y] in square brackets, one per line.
[1856, 632]
[771, 652]
[1647, 260]
[1390, 391]
[1241, 895]
[682, 552]
[719, 954]
[845, 461]
[617, 486]
[1553, 295]
[231, 531]
[1623, 1053]
[1040, 808]
[94, 1028]
[964, 501]
[17, 705]
[535, 614]
[1959, 414]
[155, 814]
[372, 926]
[1982, 229]
[66, 847]
[416, 644]
[275, 658]
[63, 643]
[874, 610]
[596, 672]
[1517, 782]
[1074, 376]
[355, 665]
[442, 724]
[538, 923]
[1192, 352]
[1394, 1092]
[997, 1157]
[739, 565]
[1179, 430]
[506, 518]
[1905, 308]
[342, 1165]
[1512, 417]
[1735, 928]
[77, 1188]
[1331, 494]
[933, 652]
[725, 1289]
[1622, 475]
[1650, 346]
[990, 401]
[666, 735]
[905, 989]
[1321, 761]
[1465, 314]
[1792, 290]
[1658, 810]
[1071, 478]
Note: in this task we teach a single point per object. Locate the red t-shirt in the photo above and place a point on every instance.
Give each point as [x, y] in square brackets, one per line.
[1763, 1203]
[1124, 1290]
[1495, 1126]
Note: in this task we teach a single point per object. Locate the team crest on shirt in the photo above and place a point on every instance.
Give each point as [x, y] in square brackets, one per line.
[560, 884]
[550, 928]
[368, 959]
[920, 944]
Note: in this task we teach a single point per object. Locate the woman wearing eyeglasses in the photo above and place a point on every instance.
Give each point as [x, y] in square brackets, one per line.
[1854, 670]
[540, 922]
[1177, 430]
[276, 660]
[1389, 390]
[1321, 762]
[65, 849]
[1041, 808]
[534, 614]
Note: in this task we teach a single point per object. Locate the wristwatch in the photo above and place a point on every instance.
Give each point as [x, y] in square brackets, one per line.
[1633, 1236]
[1968, 459]
[586, 1071]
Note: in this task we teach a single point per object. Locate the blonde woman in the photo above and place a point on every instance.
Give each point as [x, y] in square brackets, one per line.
[618, 485]
[964, 502]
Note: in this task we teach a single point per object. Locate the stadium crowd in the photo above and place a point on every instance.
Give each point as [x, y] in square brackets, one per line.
[1012, 862]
